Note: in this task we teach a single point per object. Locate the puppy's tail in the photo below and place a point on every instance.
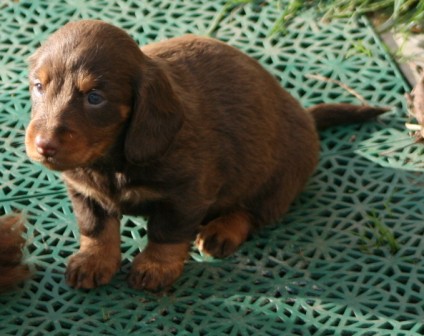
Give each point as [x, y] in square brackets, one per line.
[12, 270]
[328, 115]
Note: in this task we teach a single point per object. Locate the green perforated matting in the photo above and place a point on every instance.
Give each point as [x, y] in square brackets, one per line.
[346, 260]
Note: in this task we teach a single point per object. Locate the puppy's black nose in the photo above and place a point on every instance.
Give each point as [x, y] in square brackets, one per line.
[45, 147]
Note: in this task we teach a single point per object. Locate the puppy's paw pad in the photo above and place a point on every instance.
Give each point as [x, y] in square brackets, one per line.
[86, 270]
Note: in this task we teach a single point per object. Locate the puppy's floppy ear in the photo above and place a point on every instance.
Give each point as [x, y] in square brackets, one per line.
[157, 115]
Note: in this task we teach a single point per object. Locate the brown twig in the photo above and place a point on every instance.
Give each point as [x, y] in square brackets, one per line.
[344, 86]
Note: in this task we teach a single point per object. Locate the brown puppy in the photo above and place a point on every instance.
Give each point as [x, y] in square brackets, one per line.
[190, 133]
[12, 271]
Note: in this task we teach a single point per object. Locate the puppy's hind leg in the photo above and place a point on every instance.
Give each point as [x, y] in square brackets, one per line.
[222, 236]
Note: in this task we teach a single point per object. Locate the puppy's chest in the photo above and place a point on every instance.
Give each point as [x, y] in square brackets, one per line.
[135, 196]
[115, 192]
[129, 195]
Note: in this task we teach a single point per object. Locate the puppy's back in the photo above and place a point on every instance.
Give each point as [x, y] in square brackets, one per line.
[244, 118]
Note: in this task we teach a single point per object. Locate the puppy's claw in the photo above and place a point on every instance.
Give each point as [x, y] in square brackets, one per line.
[158, 266]
[88, 271]
[153, 277]
[148, 281]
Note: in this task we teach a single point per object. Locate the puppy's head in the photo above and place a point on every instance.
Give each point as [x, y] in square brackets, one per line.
[87, 82]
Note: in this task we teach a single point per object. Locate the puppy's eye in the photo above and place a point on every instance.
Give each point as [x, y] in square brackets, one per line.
[38, 87]
[94, 98]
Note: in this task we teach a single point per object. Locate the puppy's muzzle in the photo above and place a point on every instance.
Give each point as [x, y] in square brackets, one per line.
[46, 147]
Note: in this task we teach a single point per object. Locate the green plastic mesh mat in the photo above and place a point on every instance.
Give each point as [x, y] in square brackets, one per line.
[346, 260]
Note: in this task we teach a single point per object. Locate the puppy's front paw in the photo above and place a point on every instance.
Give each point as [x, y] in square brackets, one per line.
[158, 266]
[153, 275]
[89, 270]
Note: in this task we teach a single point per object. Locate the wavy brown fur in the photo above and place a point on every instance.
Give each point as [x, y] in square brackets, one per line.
[12, 270]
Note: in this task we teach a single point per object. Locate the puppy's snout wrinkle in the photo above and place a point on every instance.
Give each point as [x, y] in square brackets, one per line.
[46, 147]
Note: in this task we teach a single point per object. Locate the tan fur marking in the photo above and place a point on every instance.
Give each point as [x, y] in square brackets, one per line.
[86, 190]
[43, 75]
[109, 237]
[124, 111]
[86, 82]
[139, 195]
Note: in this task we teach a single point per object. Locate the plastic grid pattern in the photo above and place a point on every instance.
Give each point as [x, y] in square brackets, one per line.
[326, 270]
